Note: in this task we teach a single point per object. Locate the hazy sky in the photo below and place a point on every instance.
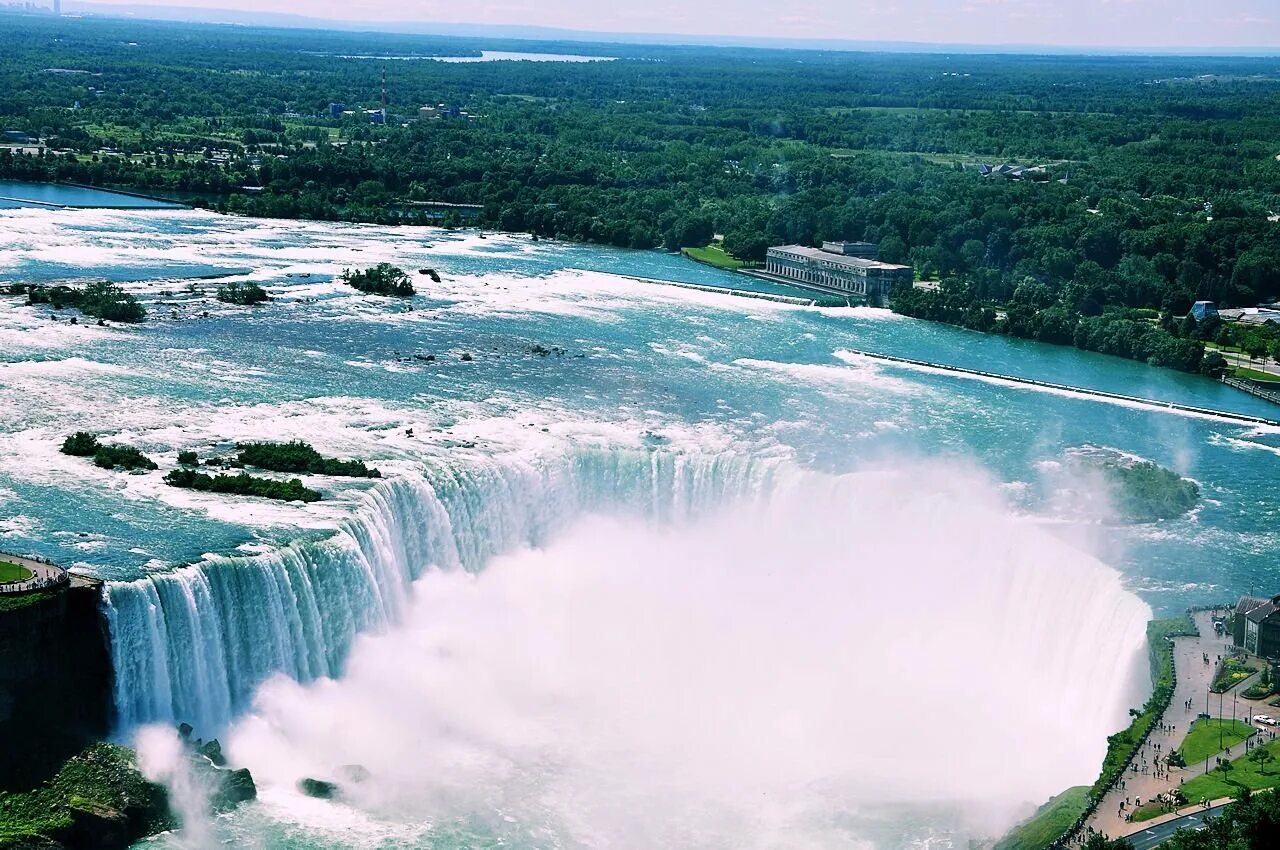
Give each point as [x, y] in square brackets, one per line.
[1146, 23]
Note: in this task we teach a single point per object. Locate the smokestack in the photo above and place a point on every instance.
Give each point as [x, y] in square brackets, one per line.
[384, 91]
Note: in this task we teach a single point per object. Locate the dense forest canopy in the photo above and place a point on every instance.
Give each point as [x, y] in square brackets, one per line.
[1160, 174]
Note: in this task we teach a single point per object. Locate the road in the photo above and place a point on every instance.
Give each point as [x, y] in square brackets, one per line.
[1242, 361]
[1157, 835]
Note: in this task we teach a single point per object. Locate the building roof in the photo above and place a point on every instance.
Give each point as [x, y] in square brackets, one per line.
[836, 259]
[1257, 610]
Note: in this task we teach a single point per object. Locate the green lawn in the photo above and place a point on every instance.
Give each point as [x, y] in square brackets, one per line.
[714, 255]
[12, 572]
[1203, 739]
[1244, 773]
[1255, 375]
[1048, 823]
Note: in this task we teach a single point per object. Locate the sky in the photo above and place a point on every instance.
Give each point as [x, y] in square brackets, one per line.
[1073, 23]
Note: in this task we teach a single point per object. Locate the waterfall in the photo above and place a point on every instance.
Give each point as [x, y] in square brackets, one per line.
[826, 658]
[192, 644]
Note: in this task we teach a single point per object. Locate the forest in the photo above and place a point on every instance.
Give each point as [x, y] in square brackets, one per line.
[1155, 180]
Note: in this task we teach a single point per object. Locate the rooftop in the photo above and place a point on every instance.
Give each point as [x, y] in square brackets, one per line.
[837, 259]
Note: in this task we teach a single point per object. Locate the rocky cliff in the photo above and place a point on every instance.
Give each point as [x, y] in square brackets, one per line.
[55, 680]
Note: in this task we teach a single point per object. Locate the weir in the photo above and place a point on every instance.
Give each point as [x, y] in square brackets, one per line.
[1168, 405]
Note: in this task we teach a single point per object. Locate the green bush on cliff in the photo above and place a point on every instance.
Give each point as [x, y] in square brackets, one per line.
[299, 457]
[95, 794]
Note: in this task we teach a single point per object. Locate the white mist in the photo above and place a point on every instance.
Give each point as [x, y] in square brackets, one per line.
[164, 758]
[770, 676]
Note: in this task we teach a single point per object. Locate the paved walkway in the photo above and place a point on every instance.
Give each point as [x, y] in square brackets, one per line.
[1193, 680]
[43, 575]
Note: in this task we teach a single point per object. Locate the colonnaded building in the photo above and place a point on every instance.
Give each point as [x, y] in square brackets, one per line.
[849, 268]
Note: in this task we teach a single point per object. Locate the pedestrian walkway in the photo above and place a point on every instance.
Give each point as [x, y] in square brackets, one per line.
[43, 574]
[1140, 781]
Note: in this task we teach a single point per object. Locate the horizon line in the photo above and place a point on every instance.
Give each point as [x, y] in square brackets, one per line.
[533, 32]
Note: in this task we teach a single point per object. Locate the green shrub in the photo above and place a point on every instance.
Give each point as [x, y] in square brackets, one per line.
[299, 457]
[242, 484]
[382, 279]
[122, 457]
[103, 300]
[108, 301]
[244, 294]
[188, 458]
[80, 444]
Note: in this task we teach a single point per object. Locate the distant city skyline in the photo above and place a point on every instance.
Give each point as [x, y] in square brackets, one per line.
[1110, 24]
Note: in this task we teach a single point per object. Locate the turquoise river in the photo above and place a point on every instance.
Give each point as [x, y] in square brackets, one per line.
[648, 567]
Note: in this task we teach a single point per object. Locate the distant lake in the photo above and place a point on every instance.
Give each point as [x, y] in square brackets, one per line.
[501, 56]
[495, 56]
[16, 194]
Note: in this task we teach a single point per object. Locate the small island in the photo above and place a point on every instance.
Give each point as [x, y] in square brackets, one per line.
[382, 279]
[1140, 491]
[104, 301]
[243, 484]
[242, 294]
[84, 444]
[299, 457]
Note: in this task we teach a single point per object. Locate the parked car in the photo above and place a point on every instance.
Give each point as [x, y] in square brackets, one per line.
[1264, 718]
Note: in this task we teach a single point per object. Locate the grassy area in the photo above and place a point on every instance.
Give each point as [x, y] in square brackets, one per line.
[1211, 736]
[100, 783]
[1233, 672]
[12, 572]
[13, 601]
[1244, 773]
[1049, 822]
[714, 255]
[1254, 375]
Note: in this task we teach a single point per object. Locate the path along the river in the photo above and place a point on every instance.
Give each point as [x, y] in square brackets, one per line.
[42, 574]
[1194, 677]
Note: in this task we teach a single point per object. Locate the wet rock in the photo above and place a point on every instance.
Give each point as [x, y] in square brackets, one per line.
[212, 750]
[355, 773]
[234, 787]
[318, 788]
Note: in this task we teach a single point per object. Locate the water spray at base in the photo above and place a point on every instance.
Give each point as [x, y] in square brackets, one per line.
[770, 675]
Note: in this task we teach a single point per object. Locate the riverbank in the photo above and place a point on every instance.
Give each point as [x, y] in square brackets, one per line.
[1058, 821]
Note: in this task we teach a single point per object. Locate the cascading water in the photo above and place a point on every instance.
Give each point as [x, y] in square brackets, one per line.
[190, 645]
[808, 664]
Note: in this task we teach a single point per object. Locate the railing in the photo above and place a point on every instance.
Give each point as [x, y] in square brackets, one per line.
[1252, 389]
[45, 574]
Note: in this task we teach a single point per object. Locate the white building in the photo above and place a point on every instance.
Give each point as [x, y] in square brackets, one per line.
[836, 271]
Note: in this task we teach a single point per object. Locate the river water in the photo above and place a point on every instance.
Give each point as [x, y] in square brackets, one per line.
[631, 508]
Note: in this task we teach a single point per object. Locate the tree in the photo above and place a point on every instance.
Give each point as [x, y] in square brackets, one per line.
[107, 301]
[1260, 756]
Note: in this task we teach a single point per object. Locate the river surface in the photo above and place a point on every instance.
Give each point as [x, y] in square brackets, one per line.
[15, 194]
[593, 413]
